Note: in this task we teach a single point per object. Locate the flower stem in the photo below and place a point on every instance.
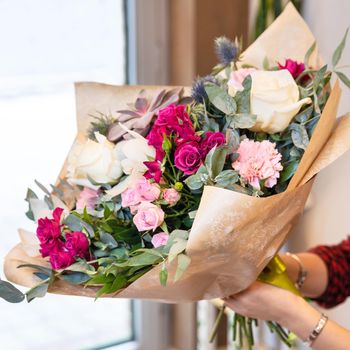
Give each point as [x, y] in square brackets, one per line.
[215, 329]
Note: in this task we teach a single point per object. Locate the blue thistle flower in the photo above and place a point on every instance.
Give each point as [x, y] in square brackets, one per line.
[198, 91]
[226, 50]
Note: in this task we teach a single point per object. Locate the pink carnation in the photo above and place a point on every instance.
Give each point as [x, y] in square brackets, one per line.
[258, 161]
[77, 244]
[160, 239]
[87, 198]
[148, 217]
[171, 196]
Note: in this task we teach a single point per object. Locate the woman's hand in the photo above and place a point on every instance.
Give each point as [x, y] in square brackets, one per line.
[266, 302]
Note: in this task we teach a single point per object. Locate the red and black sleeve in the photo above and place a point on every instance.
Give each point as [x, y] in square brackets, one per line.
[337, 260]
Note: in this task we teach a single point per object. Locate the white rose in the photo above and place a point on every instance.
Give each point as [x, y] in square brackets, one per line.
[133, 153]
[274, 98]
[97, 160]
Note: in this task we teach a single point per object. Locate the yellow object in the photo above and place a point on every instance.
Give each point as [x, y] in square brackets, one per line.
[275, 273]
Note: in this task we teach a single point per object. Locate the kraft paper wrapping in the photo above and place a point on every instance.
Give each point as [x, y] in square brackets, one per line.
[233, 235]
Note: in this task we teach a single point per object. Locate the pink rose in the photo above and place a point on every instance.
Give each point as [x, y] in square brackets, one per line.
[171, 196]
[77, 244]
[61, 259]
[146, 191]
[87, 198]
[294, 68]
[148, 217]
[258, 161]
[188, 157]
[160, 239]
[237, 77]
[211, 140]
[130, 198]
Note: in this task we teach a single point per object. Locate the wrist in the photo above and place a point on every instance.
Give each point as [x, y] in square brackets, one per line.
[300, 317]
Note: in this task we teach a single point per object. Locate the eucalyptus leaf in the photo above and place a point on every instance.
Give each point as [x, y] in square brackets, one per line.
[38, 291]
[75, 277]
[304, 115]
[243, 97]
[215, 161]
[10, 293]
[43, 269]
[194, 182]
[73, 222]
[243, 120]
[299, 135]
[221, 99]
[42, 187]
[108, 240]
[226, 178]
[339, 50]
[183, 261]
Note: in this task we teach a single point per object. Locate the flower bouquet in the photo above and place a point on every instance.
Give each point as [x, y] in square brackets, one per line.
[183, 198]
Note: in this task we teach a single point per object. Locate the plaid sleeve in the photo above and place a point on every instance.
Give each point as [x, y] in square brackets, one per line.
[337, 260]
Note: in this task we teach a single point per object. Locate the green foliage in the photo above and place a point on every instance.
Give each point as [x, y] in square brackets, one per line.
[10, 293]
[339, 50]
[221, 99]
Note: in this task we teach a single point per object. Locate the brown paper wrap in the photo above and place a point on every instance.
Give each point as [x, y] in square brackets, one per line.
[234, 235]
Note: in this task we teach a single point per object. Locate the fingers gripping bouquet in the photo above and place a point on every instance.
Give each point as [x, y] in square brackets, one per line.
[182, 199]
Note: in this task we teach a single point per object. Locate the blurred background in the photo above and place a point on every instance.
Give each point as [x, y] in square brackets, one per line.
[47, 45]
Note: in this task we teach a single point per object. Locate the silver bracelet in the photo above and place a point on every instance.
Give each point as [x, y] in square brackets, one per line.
[302, 271]
[317, 330]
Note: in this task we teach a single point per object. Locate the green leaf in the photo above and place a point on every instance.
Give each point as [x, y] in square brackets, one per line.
[179, 245]
[10, 293]
[73, 222]
[143, 259]
[108, 240]
[166, 145]
[75, 277]
[343, 78]
[183, 261]
[243, 120]
[221, 99]
[299, 135]
[309, 53]
[215, 161]
[195, 182]
[289, 171]
[226, 178]
[319, 77]
[163, 275]
[42, 187]
[43, 269]
[304, 115]
[243, 97]
[38, 291]
[339, 50]
[266, 64]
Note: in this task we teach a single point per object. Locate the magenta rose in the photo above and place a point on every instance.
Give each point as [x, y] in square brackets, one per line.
[77, 244]
[154, 170]
[61, 259]
[49, 232]
[294, 68]
[188, 157]
[211, 140]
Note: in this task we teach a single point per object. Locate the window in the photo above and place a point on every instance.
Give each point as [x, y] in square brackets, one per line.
[45, 47]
